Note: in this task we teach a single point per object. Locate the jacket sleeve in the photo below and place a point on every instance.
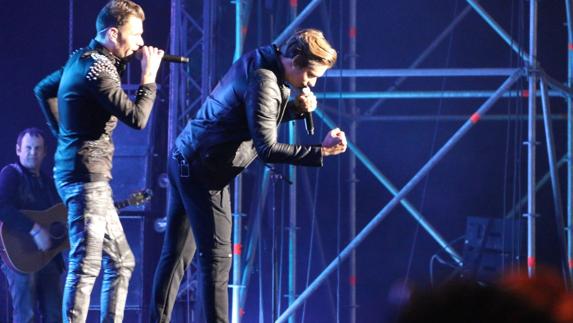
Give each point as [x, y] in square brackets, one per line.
[263, 103]
[46, 93]
[104, 82]
[9, 213]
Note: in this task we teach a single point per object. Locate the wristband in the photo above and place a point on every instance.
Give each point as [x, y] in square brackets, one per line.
[35, 232]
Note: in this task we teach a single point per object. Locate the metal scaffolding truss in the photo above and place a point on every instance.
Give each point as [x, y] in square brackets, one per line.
[191, 29]
[535, 76]
[189, 86]
[191, 35]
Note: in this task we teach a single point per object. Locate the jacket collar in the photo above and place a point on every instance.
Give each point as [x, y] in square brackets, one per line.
[280, 68]
[26, 171]
[119, 63]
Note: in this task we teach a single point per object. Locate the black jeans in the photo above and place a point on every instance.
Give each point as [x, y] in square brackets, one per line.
[95, 234]
[199, 218]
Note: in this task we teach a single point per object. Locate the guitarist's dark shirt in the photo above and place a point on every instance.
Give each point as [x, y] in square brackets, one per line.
[20, 189]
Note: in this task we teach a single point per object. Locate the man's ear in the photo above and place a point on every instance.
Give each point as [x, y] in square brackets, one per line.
[299, 61]
[112, 34]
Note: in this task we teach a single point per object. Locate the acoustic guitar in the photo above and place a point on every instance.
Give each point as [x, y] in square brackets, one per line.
[18, 249]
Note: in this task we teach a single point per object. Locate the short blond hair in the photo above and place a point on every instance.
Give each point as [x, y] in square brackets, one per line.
[308, 46]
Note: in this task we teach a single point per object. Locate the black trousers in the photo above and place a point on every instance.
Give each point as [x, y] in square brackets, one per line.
[198, 221]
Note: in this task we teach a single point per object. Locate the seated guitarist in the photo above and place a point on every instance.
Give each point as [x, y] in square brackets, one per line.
[23, 186]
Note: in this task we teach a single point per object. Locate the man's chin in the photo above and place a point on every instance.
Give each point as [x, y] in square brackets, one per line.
[30, 166]
[131, 55]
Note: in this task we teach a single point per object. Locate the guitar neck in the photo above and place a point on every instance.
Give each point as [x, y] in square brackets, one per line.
[134, 199]
[121, 204]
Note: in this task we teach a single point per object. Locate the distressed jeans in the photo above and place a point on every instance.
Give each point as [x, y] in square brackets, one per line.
[95, 234]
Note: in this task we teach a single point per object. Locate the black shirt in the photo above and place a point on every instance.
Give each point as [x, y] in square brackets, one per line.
[21, 189]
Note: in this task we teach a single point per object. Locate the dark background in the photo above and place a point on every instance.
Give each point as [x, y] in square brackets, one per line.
[482, 176]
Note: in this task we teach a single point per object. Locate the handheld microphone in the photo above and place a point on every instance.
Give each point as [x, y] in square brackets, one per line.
[167, 58]
[309, 123]
[175, 59]
[308, 120]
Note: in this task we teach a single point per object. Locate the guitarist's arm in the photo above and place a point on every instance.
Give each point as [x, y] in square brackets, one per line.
[9, 213]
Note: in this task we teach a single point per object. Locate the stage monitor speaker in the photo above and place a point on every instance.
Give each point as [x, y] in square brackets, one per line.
[131, 162]
[491, 246]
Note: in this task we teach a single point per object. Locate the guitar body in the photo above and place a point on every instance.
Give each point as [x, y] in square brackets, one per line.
[18, 249]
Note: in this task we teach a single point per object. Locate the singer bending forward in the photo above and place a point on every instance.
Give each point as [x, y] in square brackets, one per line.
[90, 102]
[237, 122]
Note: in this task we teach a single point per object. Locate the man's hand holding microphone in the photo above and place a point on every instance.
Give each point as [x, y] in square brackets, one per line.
[335, 141]
[150, 61]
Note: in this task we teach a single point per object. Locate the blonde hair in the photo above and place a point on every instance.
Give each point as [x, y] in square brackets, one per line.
[308, 46]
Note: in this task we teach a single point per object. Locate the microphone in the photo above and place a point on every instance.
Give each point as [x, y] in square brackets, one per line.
[175, 59]
[309, 123]
[166, 58]
[308, 120]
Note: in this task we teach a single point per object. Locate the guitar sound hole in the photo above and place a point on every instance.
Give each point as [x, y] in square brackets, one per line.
[58, 231]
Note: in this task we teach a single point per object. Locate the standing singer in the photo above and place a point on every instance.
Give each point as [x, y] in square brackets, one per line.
[90, 101]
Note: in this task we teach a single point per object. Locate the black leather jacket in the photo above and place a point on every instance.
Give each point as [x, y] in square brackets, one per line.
[239, 120]
[90, 101]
